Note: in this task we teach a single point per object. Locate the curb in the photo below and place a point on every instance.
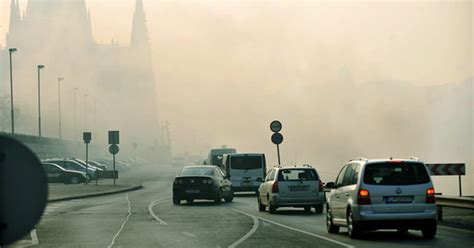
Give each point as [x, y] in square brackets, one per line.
[96, 194]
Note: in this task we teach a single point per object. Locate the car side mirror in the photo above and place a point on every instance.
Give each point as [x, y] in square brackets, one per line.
[331, 185]
[259, 179]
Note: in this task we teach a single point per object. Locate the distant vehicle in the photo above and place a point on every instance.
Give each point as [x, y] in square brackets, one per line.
[70, 164]
[119, 165]
[202, 182]
[216, 155]
[246, 170]
[291, 187]
[89, 164]
[382, 194]
[98, 165]
[57, 174]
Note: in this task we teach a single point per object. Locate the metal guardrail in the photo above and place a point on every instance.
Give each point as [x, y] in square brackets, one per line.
[456, 202]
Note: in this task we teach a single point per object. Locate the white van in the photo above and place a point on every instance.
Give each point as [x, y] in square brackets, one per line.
[246, 170]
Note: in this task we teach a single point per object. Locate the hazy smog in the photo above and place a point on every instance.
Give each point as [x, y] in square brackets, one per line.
[347, 79]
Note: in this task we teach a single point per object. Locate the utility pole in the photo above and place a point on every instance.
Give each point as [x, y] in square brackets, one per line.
[75, 115]
[59, 105]
[12, 50]
[39, 99]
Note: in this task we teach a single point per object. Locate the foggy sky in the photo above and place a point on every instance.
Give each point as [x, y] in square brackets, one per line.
[225, 69]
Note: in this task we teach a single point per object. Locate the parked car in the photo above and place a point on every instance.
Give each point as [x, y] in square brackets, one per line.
[70, 164]
[382, 194]
[98, 165]
[202, 182]
[57, 174]
[246, 170]
[88, 163]
[291, 187]
[119, 165]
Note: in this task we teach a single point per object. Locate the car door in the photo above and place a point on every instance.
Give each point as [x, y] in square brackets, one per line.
[54, 173]
[336, 201]
[264, 188]
[347, 191]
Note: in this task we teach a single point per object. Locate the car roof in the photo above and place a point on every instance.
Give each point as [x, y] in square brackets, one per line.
[381, 160]
[242, 154]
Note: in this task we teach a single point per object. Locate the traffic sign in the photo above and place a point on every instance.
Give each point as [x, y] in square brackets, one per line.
[447, 169]
[114, 149]
[277, 138]
[114, 138]
[87, 137]
[275, 126]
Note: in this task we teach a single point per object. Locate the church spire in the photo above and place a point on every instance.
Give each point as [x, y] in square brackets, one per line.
[139, 37]
[15, 16]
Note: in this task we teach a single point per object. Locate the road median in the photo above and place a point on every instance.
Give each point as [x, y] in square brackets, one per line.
[70, 192]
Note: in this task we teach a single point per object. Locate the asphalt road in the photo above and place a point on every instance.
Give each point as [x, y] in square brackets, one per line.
[147, 218]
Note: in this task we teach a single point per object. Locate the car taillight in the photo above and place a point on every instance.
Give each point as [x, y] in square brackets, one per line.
[363, 197]
[207, 181]
[275, 187]
[321, 186]
[178, 181]
[430, 195]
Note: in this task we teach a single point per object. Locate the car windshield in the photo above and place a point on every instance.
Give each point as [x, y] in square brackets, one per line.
[246, 162]
[297, 175]
[197, 172]
[406, 173]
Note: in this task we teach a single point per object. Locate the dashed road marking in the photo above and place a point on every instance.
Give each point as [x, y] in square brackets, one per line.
[296, 229]
[247, 235]
[189, 234]
[150, 209]
[123, 223]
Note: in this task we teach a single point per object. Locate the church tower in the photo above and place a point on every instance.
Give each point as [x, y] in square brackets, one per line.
[15, 19]
[139, 37]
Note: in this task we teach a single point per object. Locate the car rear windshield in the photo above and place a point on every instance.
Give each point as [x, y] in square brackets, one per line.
[246, 162]
[297, 175]
[198, 171]
[404, 173]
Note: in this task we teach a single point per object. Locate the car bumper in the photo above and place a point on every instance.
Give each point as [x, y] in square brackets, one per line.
[295, 202]
[366, 213]
[184, 193]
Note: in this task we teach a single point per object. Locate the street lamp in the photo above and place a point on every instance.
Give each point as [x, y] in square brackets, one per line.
[75, 125]
[85, 112]
[59, 105]
[12, 50]
[39, 99]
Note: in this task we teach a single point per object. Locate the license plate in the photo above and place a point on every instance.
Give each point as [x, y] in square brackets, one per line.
[299, 188]
[399, 199]
[192, 191]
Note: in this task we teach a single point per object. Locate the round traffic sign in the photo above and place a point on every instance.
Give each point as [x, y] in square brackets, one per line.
[275, 126]
[277, 138]
[114, 149]
[23, 190]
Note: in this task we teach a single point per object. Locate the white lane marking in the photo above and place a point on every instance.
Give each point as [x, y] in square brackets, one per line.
[189, 234]
[247, 235]
[123, 223]
[150, 209]
[455, 229]
[297, 230]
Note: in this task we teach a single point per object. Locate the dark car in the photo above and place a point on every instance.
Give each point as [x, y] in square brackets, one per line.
[202, 182]
[57, 174]
[70, 164]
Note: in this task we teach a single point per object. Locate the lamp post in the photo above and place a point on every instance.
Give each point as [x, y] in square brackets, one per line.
[85, 112]
[12, 50]
[39, 99]
[59, 105]
[75, 115]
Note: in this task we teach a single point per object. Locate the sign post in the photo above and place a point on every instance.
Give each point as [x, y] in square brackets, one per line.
[277, 137]
[448, 170]
[87, 137]
[114, 140]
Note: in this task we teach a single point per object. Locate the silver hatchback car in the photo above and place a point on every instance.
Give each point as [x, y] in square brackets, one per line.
[382, 194]
[291, 187]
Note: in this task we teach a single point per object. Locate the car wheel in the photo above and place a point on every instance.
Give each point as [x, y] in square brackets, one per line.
[74, 180]
[429, 230]
[176, 200]
[329, 224]
[307, 208]
[272, 208]
[352, 227]
[218, 198]
[261, 207]
[230, 198]
[318, 208]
